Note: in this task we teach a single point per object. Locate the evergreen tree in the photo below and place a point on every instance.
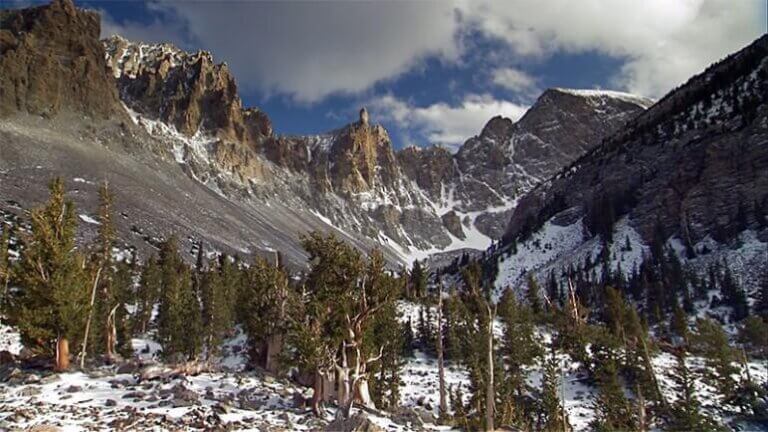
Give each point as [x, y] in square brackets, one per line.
[551, 419]
[712, 343]
[51, 306]
[613, 412]
[216, 315]
[678, 325]
[179, 317]
[533, 296]
[418, 280]
[426, 329]
[147, 293]
[266, 296]
[686, 412]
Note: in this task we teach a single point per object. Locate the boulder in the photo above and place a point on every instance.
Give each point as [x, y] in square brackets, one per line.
[358, 422]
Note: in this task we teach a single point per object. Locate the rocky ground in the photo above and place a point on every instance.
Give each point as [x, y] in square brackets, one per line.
[147, 395]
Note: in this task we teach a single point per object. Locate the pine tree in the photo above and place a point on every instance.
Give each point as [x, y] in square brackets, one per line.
[613, 412]
[551, 409]
[179, 318]
[51, 306]
[533, 296]
[678, 325]
[418, 280]
[266, 296]
[712, 342]
[216, 316]
[686, 412]
[426, 330]
[147, 293]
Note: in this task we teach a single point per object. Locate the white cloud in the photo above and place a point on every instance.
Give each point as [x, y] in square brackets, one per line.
[664, 42]
[513, 79]
[442, 123]
[309, 50]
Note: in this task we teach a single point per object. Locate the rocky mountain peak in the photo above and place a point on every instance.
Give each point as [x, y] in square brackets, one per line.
[186, 90]
[51, 60]
[361, 158]
[497, 128]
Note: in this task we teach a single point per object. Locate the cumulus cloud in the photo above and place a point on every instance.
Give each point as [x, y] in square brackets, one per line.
[441, 123]
[309, 50]
[663, 43]
[514, 79]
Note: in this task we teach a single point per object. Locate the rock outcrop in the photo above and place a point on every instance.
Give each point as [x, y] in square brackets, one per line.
[51, 60]
[186, 90]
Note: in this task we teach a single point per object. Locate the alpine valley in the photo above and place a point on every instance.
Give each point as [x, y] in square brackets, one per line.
[585, 248]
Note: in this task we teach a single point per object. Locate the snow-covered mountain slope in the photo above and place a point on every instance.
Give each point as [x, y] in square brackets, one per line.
[693, 169]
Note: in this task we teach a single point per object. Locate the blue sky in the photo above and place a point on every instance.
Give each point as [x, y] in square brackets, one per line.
[433, 72]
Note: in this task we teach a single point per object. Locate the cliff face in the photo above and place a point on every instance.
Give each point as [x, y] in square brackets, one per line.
[693, 166]
[51, 59]
[188, 91]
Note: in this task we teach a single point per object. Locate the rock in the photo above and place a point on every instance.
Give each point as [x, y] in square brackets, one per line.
[110, 402]
[44, 428]
[55, 61]
[452, 223]
[134, 395]
[426, 415]
[128, 368]
[73, 389]
[6, 357]
[50, 379]
[32, 379]
[358, 422]
[182, 393]
[222, 408]
[9, 372]
[299, 401]
[29, 391]
[153, 372]
[405, 416]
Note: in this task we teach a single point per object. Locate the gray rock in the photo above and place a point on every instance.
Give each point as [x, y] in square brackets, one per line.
[358, 422]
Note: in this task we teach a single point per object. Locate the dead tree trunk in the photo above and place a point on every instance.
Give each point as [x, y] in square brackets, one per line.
[62, 354]
[490, 392]
[318, 393]
[111, 333]
[84, 349]
[440, 366]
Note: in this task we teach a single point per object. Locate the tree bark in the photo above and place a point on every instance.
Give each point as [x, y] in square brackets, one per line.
[317, 394]
[62, 354]
[111, 333]
[90, 317]
[440, 365]
[274, 347]
[490, 391]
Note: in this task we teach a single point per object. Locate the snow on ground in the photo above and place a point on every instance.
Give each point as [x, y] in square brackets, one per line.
[420, 384]
[87, 219]
[596, 93]
[9, 340]
[551, 243]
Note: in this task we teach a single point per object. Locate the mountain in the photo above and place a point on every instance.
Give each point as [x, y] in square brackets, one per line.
[169, 131]
[483, 180]
[691, 173]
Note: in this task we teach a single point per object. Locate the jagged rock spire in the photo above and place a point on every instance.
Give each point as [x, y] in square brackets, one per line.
[363, 116]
